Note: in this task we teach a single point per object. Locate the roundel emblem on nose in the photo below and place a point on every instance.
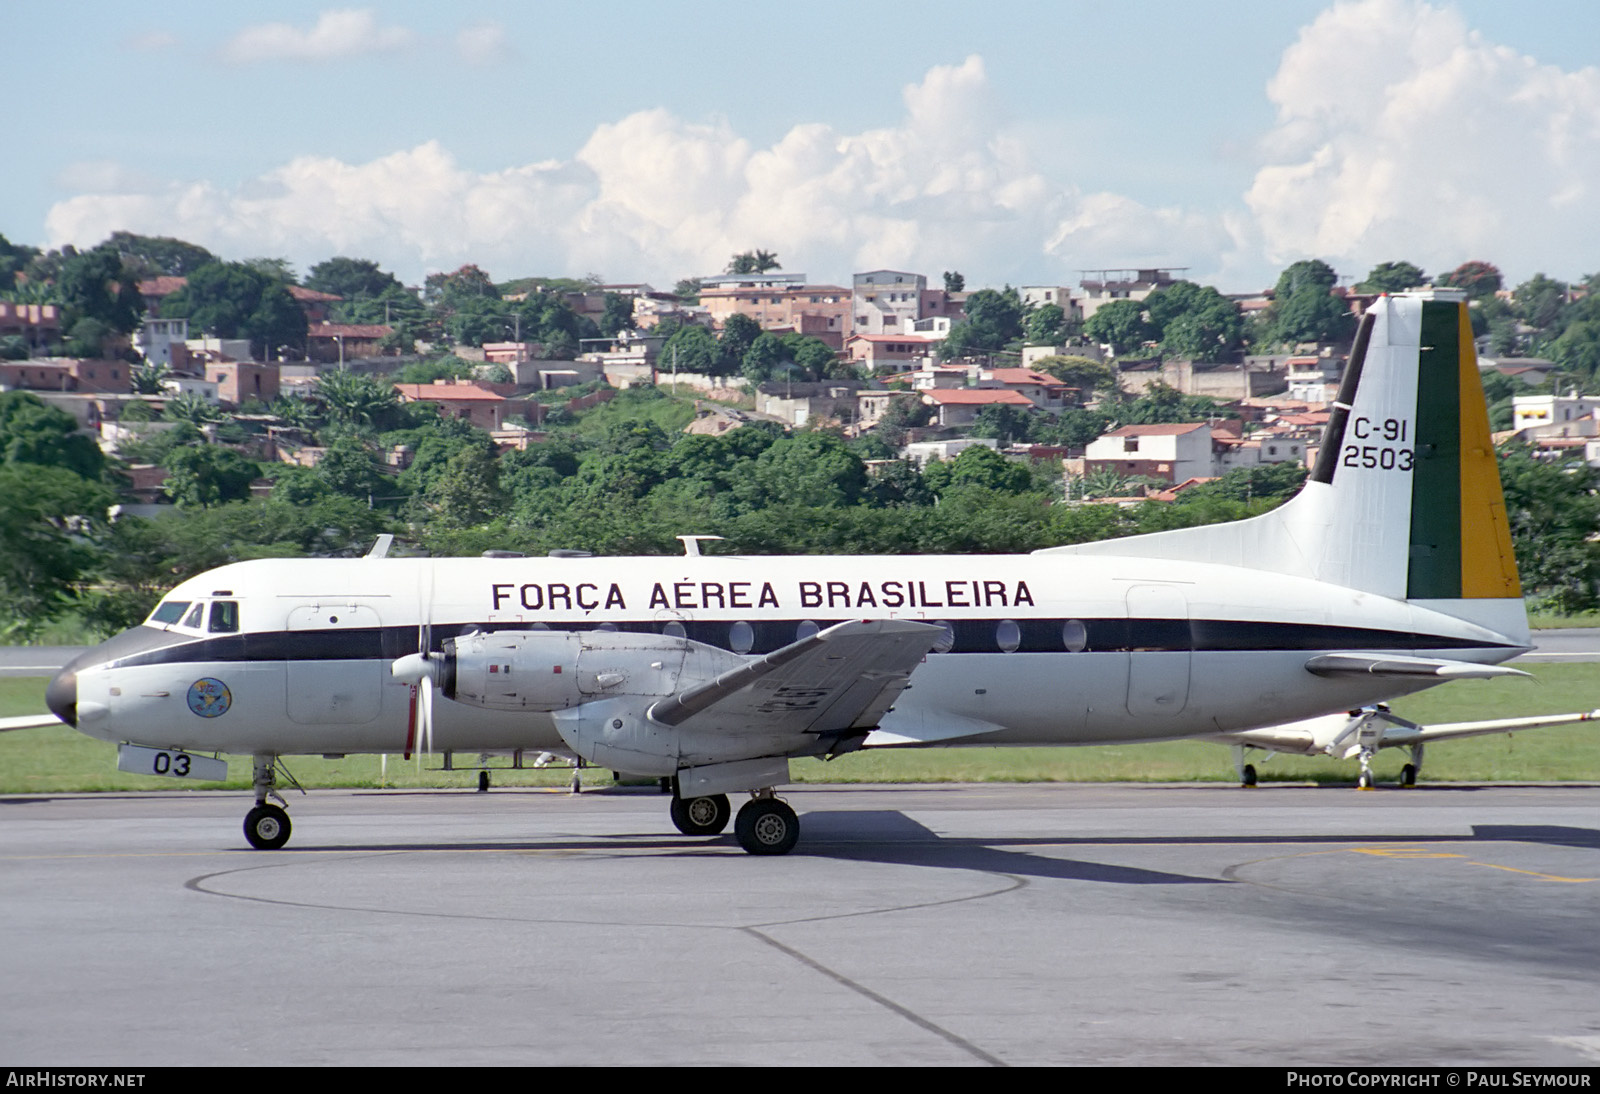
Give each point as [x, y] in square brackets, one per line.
[209, 697]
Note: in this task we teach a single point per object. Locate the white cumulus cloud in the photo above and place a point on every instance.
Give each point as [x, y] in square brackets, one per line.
[484, 44]
[656, 197]
[336, 34]
[1402, 134]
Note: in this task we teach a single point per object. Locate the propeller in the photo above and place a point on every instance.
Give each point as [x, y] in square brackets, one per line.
[421, 669]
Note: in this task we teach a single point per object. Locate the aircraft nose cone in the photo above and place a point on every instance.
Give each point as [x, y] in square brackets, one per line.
[62, 696]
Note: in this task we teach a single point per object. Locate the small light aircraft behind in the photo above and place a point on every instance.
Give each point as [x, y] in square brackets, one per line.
[1359, 734]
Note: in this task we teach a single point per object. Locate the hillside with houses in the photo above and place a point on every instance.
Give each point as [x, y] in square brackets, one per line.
[165, 410]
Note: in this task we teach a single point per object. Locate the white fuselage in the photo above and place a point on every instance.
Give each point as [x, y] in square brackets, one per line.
[1045, 649]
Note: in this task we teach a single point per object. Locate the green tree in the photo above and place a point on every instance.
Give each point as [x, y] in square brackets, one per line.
[1479, 279]
[1555, 521]
[1046, 325]
[1539, 301]
[469, 492]
[1304, 308]
[357, 399]
[33, 433]
[1393, 277]
[41, 562]
[205, 475]
[1119, 324]
[753, 262]
[96, 285]
[618, 315]
[233, 300]
[155, 256]
[953, 281]
[1083, 373]
[352, 278]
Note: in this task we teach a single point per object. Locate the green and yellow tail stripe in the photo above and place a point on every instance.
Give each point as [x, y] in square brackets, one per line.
[1460, 538]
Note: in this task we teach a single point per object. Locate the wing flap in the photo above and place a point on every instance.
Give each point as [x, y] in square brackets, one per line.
[842, 678]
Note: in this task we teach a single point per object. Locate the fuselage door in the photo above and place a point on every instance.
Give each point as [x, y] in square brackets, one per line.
[334, 669]
[1158, 650]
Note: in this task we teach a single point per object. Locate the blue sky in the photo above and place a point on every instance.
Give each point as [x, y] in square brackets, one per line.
[648, 141]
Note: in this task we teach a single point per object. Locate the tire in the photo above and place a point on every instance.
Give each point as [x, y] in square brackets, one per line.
[266, 827]
[1408, 776]
[767, 826]
[701, 816]
[1364, 781]
[1248, 777]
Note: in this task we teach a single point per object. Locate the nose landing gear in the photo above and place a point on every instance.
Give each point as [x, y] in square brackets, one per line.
[266, 827]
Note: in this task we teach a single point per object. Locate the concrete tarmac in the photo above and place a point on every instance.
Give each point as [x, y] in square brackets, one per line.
[981, 925]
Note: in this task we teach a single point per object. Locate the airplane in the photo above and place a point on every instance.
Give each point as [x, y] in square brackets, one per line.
[1359, 734]
[1389, 572]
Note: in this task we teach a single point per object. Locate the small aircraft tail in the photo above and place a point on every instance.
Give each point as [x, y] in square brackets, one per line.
[1404, 501]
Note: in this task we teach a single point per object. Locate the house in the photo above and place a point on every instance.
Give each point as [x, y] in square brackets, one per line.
[1531, 411]
[780, 303]
[922, 453]
[1041, 389]
[341, 342]
[888, 351]
[459, 399]
[803, 403]
[37, 324]
[1168, 452]
[237, 382]
[889, 301]
[1101, 287]
[961, 406]
[66, 374]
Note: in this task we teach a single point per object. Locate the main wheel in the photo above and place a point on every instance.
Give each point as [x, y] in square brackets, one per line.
[266, 827]
[701, 816]
[766, 826]
[1248, 778]
[1408, 775]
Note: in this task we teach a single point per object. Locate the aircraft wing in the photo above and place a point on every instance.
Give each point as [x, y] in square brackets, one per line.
[1370, 664]
[1445, 731]
[842, 678]
[30, 721]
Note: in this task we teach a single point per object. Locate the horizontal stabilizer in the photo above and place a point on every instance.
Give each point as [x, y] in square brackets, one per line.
[1370, 664]
[30, 721]
[844, 677]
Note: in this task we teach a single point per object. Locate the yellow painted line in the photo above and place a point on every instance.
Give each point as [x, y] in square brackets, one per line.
[1420, 852]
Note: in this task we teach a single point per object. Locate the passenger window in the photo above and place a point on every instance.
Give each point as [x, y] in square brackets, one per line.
[224, 617]
[741, 637]
[196, 616]
[1008, 636]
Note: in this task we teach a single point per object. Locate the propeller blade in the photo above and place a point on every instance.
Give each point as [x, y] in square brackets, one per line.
[426, 708]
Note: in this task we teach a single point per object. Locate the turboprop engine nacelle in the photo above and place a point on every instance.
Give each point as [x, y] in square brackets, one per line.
[549, 670]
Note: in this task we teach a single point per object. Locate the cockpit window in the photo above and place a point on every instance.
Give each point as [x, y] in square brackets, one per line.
[224, 617]
[169, 611]
[195, 617]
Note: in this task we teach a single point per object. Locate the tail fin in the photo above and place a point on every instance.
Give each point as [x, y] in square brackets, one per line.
[1404, 501]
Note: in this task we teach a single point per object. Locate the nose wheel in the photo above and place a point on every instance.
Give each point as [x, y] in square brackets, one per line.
[266, 827]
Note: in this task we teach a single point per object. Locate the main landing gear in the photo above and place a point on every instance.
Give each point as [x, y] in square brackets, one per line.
[701, 816]
[765, 825]
[266, 826]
